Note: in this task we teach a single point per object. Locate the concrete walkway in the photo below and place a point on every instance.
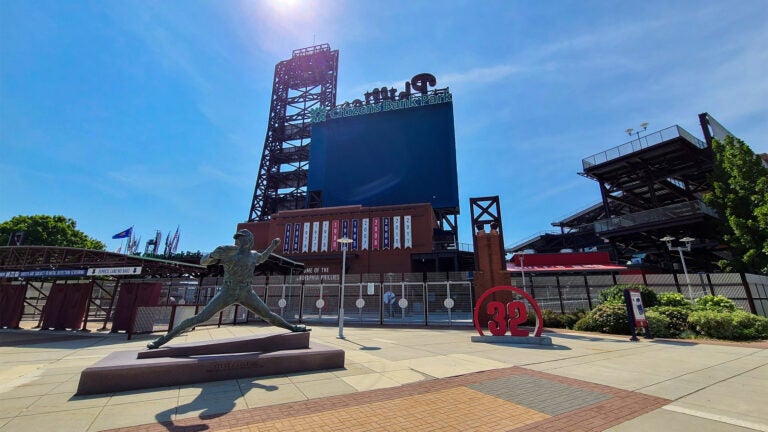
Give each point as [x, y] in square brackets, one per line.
[404, 379]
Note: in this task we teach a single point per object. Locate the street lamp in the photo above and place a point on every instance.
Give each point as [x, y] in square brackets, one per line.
[630, 131]
[522, 267]
[343, 242]
[687, 240]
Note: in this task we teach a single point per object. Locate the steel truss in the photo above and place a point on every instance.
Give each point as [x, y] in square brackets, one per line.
[305, 82]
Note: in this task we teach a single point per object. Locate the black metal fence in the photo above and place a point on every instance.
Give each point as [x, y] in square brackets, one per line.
[566, 293]
[420, 299]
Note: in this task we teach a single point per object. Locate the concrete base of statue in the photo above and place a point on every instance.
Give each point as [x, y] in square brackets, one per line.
[516, 340]
[198, 362]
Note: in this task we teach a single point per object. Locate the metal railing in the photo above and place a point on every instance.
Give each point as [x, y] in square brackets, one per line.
[570, 293]
[416, 303]
[444, 299]
[649, 140]
[439, 299]
[665, 213]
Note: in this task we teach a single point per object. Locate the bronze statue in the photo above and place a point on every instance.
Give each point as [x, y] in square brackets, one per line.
[239, 262]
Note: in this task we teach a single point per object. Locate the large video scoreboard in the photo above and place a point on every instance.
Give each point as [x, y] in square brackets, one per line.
[387, 153]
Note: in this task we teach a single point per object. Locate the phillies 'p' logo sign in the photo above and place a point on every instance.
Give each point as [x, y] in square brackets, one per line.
[507, 317]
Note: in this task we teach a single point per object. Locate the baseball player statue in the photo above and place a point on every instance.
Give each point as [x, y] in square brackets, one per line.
[239, 262]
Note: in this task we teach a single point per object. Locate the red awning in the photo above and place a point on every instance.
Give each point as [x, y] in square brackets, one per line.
[565, 268]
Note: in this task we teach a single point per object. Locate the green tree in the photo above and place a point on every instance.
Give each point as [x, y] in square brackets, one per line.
[45, 230]
[740, 196]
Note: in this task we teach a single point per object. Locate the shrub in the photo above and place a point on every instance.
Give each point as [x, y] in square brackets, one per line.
[615, 295]
[585, 324]
[570, 319]
[749, 326]
[677, 318]
[554, 319]
[716, 303]
[605, 318]
[673, 299]
[659, 325]
[738, 325]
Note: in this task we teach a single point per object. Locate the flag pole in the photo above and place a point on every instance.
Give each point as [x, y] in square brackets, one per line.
[129, 241]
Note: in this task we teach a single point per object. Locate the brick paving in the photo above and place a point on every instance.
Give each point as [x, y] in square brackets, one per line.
[508, 399]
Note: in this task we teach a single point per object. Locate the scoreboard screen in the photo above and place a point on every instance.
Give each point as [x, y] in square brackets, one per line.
[400, 156]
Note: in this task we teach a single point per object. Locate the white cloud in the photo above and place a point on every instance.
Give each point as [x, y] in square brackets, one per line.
[482, 75]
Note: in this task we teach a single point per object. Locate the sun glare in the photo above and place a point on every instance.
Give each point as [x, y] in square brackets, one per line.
[279, 26]
[284, 6]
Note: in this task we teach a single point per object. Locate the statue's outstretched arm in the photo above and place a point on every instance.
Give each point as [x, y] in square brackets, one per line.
[271, 248]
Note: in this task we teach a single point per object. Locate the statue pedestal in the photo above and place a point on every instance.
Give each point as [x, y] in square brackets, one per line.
[516, 340]
[198, 362]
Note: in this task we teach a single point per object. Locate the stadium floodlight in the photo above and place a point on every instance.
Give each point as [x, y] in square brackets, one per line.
[631, 131]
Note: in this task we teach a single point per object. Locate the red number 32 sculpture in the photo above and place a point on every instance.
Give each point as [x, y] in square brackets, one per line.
[507, 317]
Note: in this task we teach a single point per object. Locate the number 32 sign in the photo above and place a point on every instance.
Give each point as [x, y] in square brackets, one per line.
[507, 317]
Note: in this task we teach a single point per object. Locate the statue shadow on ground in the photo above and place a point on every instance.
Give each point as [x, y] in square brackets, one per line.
[673, 342]
[213, 403]
[586, 338]
[363, 347]
[553, 347]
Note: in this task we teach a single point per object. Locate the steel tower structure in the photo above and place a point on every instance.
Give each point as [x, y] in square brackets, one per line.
[301, 84]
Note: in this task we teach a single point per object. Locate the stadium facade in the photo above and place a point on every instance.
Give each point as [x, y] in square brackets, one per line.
[379, 170]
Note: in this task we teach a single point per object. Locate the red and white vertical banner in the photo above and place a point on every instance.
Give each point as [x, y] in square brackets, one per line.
[396, 232]
[335, 235]
[324, 242]
[364, 234]
[375, 234]
[305, 238]
[315, 235]
[408, 232]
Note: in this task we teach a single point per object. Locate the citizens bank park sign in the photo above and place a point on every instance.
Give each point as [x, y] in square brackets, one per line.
[378, 233]
[388, 99]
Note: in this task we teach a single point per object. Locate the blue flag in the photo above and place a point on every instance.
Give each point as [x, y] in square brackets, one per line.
[123, 234]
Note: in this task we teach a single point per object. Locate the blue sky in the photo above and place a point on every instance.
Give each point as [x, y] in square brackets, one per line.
[153, 114]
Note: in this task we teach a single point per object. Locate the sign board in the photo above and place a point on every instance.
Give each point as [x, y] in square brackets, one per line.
[638, 312]
[107, 271]
[53, 273]
[114, 271]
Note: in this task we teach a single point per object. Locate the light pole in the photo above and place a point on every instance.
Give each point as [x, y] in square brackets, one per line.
[687, 240]
[630, 131]
[344, 242]
[522, 267]
[390, 306]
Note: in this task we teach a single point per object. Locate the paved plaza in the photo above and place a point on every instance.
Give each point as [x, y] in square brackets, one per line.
[400, 379]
